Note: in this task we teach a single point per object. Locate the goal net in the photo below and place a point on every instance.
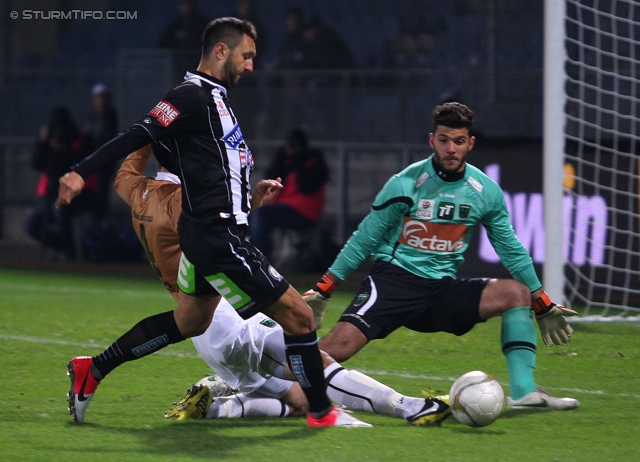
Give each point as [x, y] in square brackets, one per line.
[600, 195]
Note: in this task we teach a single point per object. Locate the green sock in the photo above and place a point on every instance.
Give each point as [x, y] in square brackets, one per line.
[518, 340]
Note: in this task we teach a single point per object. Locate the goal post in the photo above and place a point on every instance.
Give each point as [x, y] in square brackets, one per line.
[553, 146]
[591, 146]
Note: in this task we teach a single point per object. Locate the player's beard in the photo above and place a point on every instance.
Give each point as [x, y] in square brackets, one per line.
[231, 75]
[440, 160]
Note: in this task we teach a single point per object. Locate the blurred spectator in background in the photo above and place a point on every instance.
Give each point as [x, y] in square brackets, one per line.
[292, 48]
[102, 124]
[300, 203]
[60, 144]
[245, 10]
[183, 36]
[312, 45]
[324, 48]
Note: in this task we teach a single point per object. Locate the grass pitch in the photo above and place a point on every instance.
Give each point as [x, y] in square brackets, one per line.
[49, 317]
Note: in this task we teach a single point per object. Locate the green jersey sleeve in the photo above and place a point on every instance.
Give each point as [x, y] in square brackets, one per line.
[502, 236]
[376, 229]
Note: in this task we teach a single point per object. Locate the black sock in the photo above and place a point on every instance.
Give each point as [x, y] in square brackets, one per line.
[305, 362]
[148, 336]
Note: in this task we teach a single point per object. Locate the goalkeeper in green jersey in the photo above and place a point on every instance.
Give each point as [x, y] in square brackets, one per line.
[417, 231]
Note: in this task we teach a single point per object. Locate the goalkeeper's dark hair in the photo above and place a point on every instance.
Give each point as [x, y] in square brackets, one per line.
[453, 115]
[228, 31]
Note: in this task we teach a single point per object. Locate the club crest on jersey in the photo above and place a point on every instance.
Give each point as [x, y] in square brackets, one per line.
[246, 159]
[464, 211]
[234, 138]
[425, 208]
[268, 322]
[165, 113]
[360, 299]
[274, 273]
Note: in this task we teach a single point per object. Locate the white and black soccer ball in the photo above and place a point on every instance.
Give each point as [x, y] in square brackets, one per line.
[476, 399]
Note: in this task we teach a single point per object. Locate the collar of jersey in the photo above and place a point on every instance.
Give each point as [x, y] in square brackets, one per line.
[446, 177]
[206, 78]
[166, 176]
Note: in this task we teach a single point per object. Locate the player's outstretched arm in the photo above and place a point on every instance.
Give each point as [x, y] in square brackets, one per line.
[551, 320]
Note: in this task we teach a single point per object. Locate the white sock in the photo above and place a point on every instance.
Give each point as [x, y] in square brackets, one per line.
[405, 406]
[358, 391]
[237, 406]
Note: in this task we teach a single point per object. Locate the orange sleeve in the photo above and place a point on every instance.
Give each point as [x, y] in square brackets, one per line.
[130, 173]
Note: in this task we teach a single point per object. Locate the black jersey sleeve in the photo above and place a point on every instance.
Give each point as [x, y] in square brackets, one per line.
[181, 111]
[178, 113]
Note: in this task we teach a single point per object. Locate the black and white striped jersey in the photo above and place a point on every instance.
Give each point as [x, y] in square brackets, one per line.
[197, 137]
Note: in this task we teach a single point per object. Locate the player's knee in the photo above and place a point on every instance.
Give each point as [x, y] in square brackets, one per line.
[501, 295]
[341, 347]
[523, 295]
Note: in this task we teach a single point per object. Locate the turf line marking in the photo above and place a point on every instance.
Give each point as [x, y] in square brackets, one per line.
[39, 288]
[51, 341]
[33, 339]
[453, 379]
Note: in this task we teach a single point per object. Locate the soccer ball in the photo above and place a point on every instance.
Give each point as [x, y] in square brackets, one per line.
[476, 399]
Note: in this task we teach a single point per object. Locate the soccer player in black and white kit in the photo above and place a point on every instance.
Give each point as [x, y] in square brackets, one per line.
[199, 140]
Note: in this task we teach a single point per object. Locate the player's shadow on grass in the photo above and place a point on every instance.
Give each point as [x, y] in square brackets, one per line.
[517, 413]
[208, 438]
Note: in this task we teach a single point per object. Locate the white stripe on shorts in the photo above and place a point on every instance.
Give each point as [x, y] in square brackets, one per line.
[372, 298]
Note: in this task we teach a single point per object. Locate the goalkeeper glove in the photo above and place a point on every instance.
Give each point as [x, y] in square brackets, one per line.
[318, 298]
[551, 320]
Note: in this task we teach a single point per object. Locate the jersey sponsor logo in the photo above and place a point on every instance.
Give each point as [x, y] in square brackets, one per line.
[236, 297]
[222, 109]
[445, 210]
[358, 317]
[165, 113]
[435, 237]
[139, 217]
[297, 367]
[425, 208]
[475, 184]
[464, 211]
[234, 138]
[421, 179]
[151, 345]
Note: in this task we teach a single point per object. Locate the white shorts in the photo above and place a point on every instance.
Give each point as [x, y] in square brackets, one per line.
[249, 355]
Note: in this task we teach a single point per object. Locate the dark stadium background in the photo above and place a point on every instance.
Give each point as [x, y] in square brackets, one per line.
[371, 118]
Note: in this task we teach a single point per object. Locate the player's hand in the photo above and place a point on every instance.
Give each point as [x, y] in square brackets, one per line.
[71, 185]
[264, 192]
[318, 298]
[318, 304]
[551, 319]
